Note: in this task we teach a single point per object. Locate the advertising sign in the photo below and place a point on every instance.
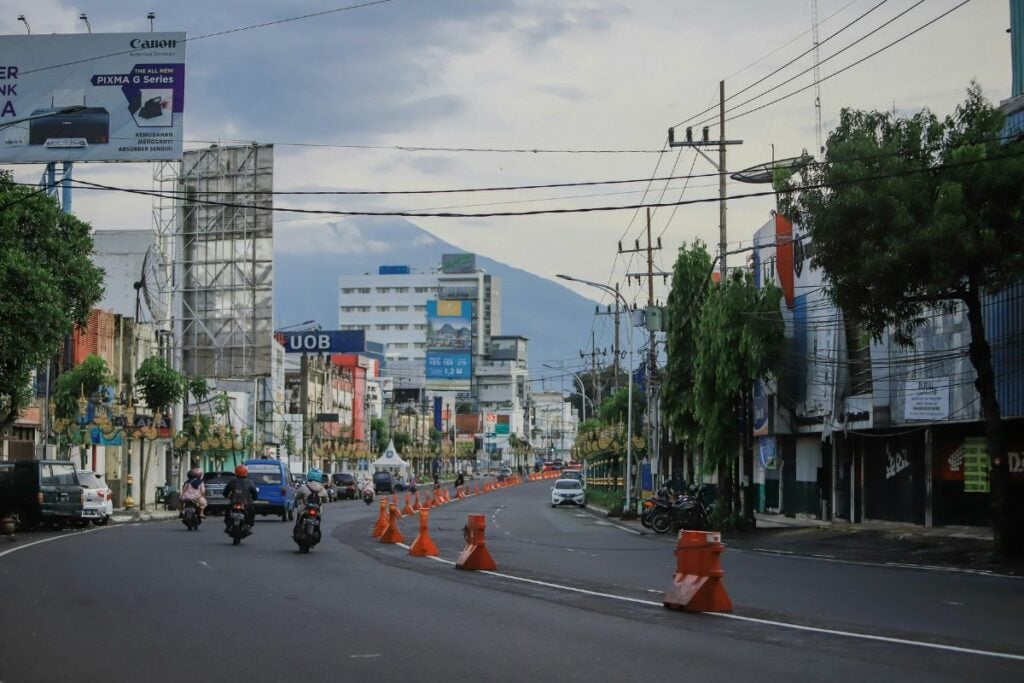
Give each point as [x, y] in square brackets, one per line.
[458, 263]
[449, 344]
[323, 341]
[975, 465]
[927, 399]
[92, 97]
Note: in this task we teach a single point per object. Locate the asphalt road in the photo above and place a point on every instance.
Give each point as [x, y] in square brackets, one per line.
[574, 599]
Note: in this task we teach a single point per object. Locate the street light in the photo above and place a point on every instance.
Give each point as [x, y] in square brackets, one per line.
[22, 19]
[629, 395]
[583, 391]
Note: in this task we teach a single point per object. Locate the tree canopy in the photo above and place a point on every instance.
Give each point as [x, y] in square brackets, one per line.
[161, 385]
[47, 284]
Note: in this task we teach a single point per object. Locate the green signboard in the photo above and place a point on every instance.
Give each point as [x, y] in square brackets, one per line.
[976, 465]
[500, 428]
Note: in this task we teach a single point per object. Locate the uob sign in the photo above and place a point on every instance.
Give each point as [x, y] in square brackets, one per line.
[330, 341]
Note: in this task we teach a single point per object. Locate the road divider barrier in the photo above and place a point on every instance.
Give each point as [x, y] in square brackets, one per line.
[475, 555]
[416, 504]
[460, 491]
[392, 534]
[424, 546]
[407, 510]
[697, 584]
[382, 519]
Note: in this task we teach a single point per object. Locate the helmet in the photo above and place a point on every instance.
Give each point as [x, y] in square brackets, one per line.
[241, 471]
[195, 473]
[314, 475]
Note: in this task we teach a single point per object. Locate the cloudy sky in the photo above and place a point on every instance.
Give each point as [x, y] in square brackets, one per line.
[527, 74]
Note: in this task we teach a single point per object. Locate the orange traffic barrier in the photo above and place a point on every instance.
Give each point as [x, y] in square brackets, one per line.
[397, 505]
[445, 498]
[424, 545]
[697, 584]
[475, 555]
[382, 519]
[392, 534]
[407, 510]
[427, 503]
[460, 492]
[416, 504]
[476, 488]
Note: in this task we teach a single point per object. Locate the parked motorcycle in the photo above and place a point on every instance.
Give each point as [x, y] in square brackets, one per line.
[689, 511]
[663, 497]
[190, 516]
[307, 529]
[237, 524]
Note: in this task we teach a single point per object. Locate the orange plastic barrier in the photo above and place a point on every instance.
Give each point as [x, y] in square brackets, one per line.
[476, 488]
[427, 503]
[697, 584]
[416, 505]
[445, 498]
[407, 510]
[424, 545]
[392, 534]
[460, 492]
[475, 555]
[382, 519]
[397, 505]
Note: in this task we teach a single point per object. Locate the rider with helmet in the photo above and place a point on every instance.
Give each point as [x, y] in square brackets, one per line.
[194, 490]
[242, 490]
[312, 488]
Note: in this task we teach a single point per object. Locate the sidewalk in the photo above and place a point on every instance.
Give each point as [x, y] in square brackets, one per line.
[877, 542]
[122, 516]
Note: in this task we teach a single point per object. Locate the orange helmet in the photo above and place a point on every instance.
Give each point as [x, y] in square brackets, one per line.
[241, 471]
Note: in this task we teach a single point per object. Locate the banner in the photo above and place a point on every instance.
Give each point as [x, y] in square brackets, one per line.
[926, 399]
[92, 97]
[323, 341]
[449, 350]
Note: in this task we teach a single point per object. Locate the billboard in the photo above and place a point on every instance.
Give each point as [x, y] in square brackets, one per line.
[323, 341]
[449, 344]
[92, 97]
[458, 263]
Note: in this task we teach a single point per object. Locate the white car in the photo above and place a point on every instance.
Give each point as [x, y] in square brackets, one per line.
[568, 492]
[97, 498]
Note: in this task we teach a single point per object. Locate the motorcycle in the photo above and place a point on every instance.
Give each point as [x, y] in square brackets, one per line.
[662, 497]
[689, 511]
[307, 529]
[237, 523]
[368, 494]
[190, 515]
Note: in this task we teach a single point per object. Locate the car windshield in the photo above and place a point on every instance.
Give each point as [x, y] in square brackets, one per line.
[221, 478]
[89, 480]
[344, 479]
[564, 484]
[265, 474]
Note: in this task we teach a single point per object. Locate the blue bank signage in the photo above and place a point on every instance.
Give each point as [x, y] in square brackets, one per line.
[324, 341]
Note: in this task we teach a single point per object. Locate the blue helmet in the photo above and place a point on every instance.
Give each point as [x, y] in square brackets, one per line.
[314, 475]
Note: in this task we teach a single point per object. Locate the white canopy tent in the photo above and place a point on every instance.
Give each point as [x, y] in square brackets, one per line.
[390, 459]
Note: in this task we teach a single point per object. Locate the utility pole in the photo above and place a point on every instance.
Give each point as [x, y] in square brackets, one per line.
[616, 349]
[721, 143]
[595, 378]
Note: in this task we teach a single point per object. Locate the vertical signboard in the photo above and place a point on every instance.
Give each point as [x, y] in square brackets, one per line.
[92, 97]
[975, 465]
[449, 360]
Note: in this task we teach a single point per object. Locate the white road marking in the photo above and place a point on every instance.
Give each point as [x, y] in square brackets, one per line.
[205, 564]
[57, 538]
[754, 620]
[364, 656]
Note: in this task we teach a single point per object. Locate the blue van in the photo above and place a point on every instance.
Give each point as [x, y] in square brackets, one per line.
[277, 494]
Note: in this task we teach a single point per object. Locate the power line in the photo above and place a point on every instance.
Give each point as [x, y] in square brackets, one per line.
[215, 34]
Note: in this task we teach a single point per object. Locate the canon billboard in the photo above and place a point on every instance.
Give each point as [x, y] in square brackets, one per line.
[92, 97]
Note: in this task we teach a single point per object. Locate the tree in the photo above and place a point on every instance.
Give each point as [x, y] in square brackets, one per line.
[85, 379]
[912, 214]
[738, 340]
[47, 284]
[161, 387]
[379, 429]
[690, 278]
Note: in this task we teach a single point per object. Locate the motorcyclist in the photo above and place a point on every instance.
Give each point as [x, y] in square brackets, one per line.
[194, 490]
[312, 490]
[460, 480]
[242, 490]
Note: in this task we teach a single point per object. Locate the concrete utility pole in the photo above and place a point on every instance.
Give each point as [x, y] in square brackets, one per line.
[616, 348]
[595, 378]
[721, 143]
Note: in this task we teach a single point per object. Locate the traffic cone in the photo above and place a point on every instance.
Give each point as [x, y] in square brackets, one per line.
[407, 510]
[382, 519]
[416, 505]
[475, 555]
[697, 583]
[392, 534]
[424, 546]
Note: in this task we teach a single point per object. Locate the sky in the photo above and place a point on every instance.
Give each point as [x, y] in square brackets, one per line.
[535, 75]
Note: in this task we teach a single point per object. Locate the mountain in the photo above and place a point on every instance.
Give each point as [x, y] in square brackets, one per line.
[308, 261]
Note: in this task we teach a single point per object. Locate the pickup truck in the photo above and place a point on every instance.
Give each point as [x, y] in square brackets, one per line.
[40, 492]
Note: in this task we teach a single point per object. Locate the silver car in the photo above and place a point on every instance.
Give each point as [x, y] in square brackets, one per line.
[568, 492]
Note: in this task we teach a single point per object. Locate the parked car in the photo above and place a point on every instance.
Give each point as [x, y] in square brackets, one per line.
[345, 485]
[97, 498]
[568, 492]
[215, 482]
[276, 491]
[572, 474]
[383, 483]
[298, 480]
[504, 473]
[40, 491]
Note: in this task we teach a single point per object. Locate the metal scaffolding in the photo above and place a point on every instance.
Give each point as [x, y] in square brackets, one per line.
[214, 229]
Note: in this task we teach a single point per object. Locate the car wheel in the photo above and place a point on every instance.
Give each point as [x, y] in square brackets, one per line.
[101, 521]
[553, 505]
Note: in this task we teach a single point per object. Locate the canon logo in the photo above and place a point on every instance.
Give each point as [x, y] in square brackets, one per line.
[139, 44]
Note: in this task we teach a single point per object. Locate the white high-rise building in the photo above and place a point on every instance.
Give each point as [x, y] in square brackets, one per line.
[391, 307]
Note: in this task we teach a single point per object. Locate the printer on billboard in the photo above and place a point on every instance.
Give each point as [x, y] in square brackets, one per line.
[91, 124]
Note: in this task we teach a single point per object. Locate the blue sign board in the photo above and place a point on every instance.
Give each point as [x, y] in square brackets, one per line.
[449, 365]
[438, 403]
[324, 341]
[449, 349]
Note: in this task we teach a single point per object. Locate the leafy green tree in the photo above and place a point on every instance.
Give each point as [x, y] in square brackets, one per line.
[47, 284]
[738, 340]
[615, 408]
[161, 386]
[85, 379]
[910, 215]
[690, 278]
[379, 428]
